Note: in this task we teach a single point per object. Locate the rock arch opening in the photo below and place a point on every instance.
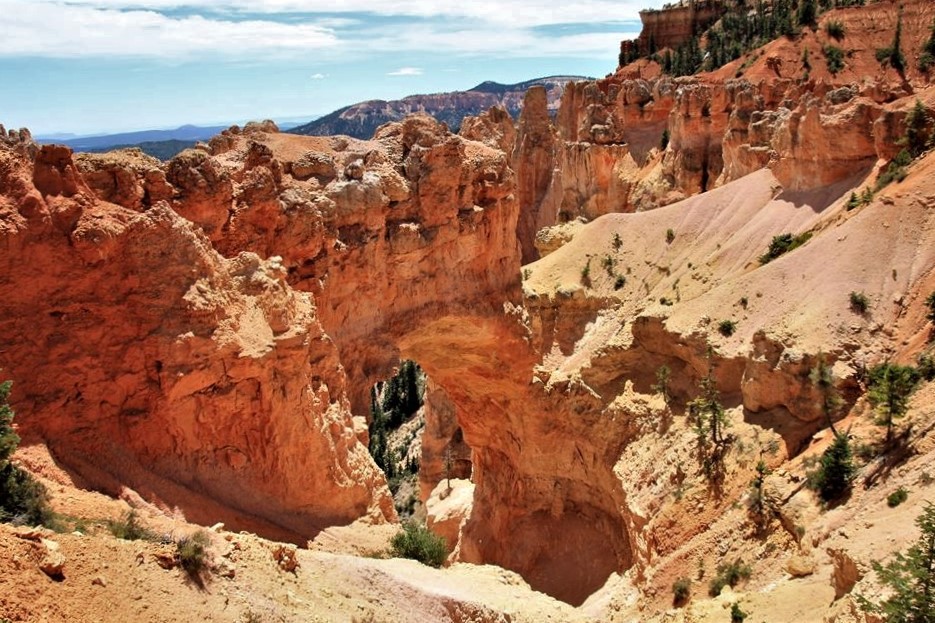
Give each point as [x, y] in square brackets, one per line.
[546, 501]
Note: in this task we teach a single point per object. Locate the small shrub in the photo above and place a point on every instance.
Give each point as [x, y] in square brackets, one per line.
[895, 170]
[617, 242]
[192, 553]
[417, 542]
[892, 173]
[782, 244]
[727, 327]
[927, 56]
[608, 263]
[664, 301]
[926, 62]
[251, 616]
[859, 302]
[670, 236]
[23, 499]
[619, 282]
[853, 202]
[744, 301]
[729, 574]
[925, 366]
[897, 497]
[834, 29]
[586, 273]
[834, 57]
[893, 55]
[129, 528]
[736, 614]
[930, 303]
[866, 452]
[681, 591]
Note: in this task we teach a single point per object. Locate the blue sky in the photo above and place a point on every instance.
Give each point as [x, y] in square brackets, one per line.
[96, 66]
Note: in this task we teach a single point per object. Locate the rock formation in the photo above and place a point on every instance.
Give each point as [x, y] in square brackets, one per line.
[203, 332]
[672, 25]
[146, 360]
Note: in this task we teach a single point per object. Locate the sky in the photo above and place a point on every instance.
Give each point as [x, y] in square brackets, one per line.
[105, 66]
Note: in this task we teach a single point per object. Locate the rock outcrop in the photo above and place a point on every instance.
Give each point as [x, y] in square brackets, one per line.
[146, 360]
[672, 25]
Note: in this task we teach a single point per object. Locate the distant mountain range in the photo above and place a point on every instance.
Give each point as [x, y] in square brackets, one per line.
[164, 150]
[360, 120]
[357, 120]
[187, 133]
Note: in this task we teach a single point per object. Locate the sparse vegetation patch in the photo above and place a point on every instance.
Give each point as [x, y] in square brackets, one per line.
[23, 499]
[192, 553]
[729, 574]
[129, 528]
[782, 244]
[417, 542]
[834, 57]
[681, 591]
[859, 302]
[835, 29]
[897, 497]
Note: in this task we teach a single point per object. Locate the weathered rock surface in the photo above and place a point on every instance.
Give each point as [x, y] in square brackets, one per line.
[144, 359]
[284, 274]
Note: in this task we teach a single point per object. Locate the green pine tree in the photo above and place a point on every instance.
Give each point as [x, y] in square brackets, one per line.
[22, 498]
[910, 578]
[890, 388]
[822, 377]
[917, 133]
[836, 469]
[9, 440]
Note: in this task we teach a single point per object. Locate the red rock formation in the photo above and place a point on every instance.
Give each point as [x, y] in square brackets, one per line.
[145, 360]
[534, 161]
[406, 246]
[672, 25]
[128, 178]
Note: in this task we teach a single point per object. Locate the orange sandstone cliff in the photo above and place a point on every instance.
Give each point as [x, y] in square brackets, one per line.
[201, 334]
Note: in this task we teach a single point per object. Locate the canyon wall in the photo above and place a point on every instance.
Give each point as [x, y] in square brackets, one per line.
[144, 359]
[204, 331]
[672, 25]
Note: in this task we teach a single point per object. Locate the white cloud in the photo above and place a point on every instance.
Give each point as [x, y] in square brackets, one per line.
[137, 28]
[406, 71]
[45, 29]
[525, 12]
[318, 76]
